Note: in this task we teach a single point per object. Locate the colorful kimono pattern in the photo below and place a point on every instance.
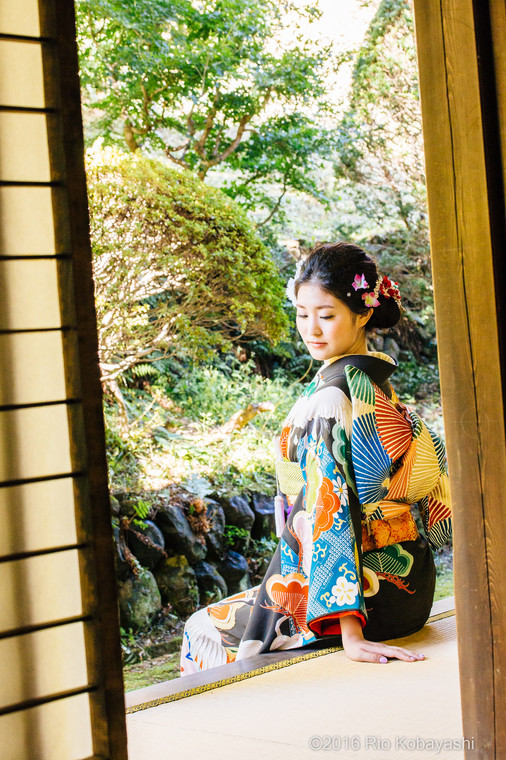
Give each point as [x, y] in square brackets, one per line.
[350, 544]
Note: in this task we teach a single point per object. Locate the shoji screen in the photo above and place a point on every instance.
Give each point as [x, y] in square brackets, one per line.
[60, 672]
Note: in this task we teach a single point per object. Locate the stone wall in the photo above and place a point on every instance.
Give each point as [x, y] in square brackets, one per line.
[187, 551]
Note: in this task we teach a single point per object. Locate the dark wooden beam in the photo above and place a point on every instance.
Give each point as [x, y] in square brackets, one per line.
[464, 162]
[86, 423]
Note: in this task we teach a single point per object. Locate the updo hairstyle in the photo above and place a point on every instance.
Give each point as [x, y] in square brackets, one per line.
[333, 267]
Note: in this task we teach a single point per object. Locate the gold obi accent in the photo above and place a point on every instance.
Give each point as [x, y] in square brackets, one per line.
[379, 533]
[290, 479]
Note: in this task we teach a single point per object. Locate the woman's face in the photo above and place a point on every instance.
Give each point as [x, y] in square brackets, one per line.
[327, 325]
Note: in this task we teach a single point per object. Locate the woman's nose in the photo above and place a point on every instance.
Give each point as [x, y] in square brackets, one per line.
[314, 328]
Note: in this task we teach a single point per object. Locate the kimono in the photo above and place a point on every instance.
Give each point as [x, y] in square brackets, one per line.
[353, 461]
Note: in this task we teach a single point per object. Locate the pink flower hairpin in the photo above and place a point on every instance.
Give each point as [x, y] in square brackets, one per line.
[360, 282]
[370, 299]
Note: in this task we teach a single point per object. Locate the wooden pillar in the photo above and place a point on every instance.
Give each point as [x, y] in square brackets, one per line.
[461, 46]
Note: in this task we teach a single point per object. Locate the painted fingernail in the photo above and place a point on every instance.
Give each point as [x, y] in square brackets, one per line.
[383, 659]
[411, 658]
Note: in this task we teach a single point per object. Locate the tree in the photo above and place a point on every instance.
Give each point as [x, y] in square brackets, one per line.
[178, 267]
[380, 165]
[286, 150]
[208, 83]
[380, 137]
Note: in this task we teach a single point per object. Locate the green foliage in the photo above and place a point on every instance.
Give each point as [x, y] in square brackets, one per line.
[198, 82]
[288, 149]
[178, 267]
[264, 545]
[122, 461]
[412, 374]
[405, 256]
[139, 675]
[142, 509]
[232, 535]
[443, 560]
[145, 370]
[380, 165]
[212, 395]
[174, 433]
[128, 643]
[380, 144]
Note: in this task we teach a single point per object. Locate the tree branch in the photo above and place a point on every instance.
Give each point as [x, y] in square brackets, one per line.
[111, 371]
[229, 149]
[129, 135]
[174, 159]
[200, 143]
[276, 206]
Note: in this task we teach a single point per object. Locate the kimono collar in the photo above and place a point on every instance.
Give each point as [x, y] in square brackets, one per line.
[378, 366]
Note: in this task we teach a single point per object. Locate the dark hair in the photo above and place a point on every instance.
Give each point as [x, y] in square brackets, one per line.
[333, 267]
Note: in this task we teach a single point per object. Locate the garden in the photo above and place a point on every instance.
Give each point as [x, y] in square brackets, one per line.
[224, 139]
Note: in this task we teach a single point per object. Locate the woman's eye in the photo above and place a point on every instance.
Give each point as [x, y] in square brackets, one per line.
[301, 316]
[330, 316]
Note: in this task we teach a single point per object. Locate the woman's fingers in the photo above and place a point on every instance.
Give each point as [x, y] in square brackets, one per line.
[372, 651]
[382, 653]
[400, 653]
[366, 655]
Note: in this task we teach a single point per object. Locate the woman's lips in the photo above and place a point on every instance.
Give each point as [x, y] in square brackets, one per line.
[316, 344]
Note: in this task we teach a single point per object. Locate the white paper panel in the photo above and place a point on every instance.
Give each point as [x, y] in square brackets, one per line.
[34, 443]
[57, 731]
[32, 368]
[37, 516]
[19, 17]
[24, 155]
[26, 221]
[29, 295]
[39, 664]
[21, 82]
[39, 590]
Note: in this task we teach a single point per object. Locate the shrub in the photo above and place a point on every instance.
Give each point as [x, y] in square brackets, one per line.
[178, 267]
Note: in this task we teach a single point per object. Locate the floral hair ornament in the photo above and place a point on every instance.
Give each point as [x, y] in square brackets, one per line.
[360, 282]
[390, 290]
[290, 285]
[386, 287]
[371, 299]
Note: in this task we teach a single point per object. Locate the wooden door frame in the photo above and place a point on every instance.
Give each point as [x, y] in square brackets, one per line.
[461, 52]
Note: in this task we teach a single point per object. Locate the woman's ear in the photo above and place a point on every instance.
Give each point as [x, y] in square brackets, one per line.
[363, 319]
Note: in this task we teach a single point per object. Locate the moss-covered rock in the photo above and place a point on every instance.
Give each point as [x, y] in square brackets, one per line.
[234, 569]
[212, 586]
[139, 600]
[178, 584]
[179, 537]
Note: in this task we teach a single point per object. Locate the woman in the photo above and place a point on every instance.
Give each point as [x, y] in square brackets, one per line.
[350, 562]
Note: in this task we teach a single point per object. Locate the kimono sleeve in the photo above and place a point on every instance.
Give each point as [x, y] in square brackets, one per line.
[335, 583]
[436, 514]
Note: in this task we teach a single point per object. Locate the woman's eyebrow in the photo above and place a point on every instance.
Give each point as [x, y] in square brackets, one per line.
[325, 306]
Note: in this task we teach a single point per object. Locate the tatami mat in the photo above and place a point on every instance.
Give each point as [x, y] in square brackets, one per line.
[325, 704]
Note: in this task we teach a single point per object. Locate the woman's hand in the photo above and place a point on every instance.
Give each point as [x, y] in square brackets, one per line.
[359, 649]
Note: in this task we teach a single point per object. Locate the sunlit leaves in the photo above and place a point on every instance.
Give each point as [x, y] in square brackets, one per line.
[198, 80]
